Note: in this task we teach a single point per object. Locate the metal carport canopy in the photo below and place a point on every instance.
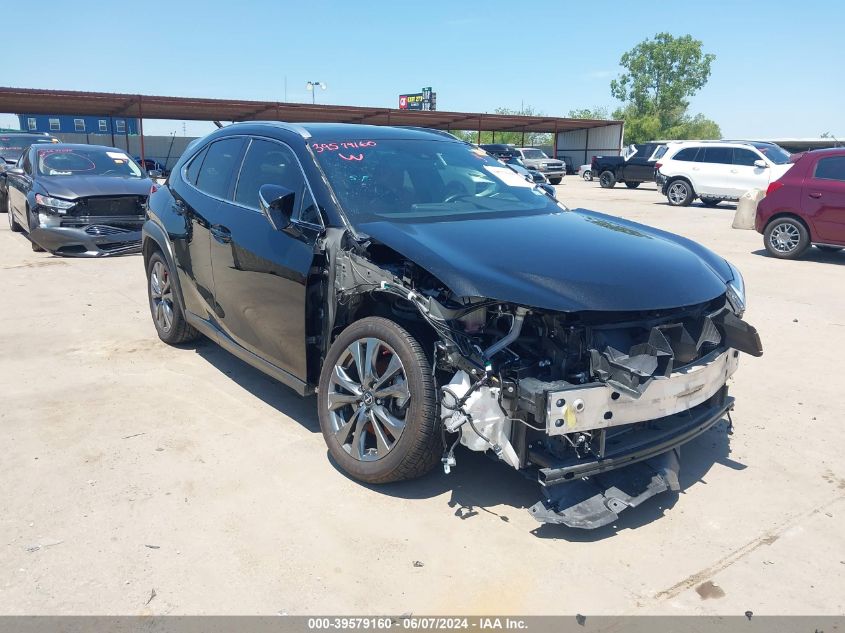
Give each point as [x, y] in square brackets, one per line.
[35, 101]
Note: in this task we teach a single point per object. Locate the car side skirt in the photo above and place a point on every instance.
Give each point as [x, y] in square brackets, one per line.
[230, 345]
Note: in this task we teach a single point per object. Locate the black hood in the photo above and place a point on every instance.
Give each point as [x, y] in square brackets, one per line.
[568, 261]
[71, 187]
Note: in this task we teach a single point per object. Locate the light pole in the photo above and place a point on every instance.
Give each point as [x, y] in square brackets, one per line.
[312, 87]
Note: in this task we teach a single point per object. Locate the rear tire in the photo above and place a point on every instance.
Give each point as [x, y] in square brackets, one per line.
[165, 306]
[632, 185]
[710, 202]
[382, 425]
[679, 193]
[607, 180]
[587, 175]
[786, 238]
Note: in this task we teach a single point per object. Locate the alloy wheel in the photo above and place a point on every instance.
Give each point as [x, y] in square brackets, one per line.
[785, 237]
[368, 399]
[161, 295]
[677, 193]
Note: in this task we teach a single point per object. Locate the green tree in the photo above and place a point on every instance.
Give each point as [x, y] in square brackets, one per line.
[598, 112]
[661, 74]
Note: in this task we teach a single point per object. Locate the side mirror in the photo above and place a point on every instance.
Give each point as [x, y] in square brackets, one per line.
[154, 173]
[277, 205]
[15, 171]
[761, 164]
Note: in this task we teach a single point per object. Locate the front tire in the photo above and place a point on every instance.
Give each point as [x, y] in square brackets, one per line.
[607, 180]
[555, 181]
[377, 403]
[587, 175]
[166, 310]
[679, 193]
[786, 238]
[632, 185]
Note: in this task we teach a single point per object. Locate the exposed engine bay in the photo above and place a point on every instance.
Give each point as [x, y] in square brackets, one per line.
[592, 405]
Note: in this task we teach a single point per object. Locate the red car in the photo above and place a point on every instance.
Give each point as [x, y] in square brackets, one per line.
[805, 206]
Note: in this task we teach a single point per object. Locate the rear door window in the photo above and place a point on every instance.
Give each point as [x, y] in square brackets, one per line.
[831, 168]
[745, 157]
[219, 166]
[716, 155]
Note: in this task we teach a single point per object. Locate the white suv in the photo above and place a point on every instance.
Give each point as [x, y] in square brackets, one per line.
[718, 170]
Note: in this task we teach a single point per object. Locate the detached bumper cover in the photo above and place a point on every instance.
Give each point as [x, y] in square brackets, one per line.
[590, 493]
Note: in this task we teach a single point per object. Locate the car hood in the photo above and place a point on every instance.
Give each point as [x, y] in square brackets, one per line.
[71, 187]
[566, 261]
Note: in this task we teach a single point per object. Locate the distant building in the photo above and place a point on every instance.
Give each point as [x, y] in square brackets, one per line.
[52, 123]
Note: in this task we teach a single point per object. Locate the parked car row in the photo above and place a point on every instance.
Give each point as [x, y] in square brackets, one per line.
[804, 201]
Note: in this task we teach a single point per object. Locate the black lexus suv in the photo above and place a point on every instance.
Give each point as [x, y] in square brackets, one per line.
[433, 297]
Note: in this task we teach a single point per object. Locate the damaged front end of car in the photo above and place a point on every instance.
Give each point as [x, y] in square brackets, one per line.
[593, 405]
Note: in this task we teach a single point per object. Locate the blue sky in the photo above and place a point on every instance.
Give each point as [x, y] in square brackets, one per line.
[778, 69]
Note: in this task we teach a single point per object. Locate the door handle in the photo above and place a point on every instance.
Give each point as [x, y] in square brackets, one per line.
[221, 233]
[815, 195]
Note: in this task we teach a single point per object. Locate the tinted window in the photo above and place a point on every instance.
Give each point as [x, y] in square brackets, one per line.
[661, 151]
[267, 163]
[194, 168]
[221, 161]
[718, 155]
[27, 164]
[308, 209]
[644, 151]
[688, 153]
[831, 168]
[745, 157]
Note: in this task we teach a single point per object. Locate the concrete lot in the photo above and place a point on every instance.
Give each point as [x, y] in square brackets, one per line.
[129, 466]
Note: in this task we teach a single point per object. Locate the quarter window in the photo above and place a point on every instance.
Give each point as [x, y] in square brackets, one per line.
[745, 157]
[717, 155]
[267, 163]
[831, 168]
[31, 124]
[194, 167]
[55, 125]
[686, 154]
[308, 211]
[219, 164]
[104, 127]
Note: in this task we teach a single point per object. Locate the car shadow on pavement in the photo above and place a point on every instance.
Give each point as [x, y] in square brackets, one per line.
[272, 392]
[810, 255]
[479, 485]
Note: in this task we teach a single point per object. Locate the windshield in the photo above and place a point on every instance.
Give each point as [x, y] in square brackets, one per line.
[533, 154]
[424, 179]
[13, 146]
[63, 161]
[774, 153]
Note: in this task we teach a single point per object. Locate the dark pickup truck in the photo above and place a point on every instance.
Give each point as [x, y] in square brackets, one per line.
[636, 167]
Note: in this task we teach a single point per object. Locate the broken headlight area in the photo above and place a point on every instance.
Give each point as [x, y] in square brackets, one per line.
[566, 398]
